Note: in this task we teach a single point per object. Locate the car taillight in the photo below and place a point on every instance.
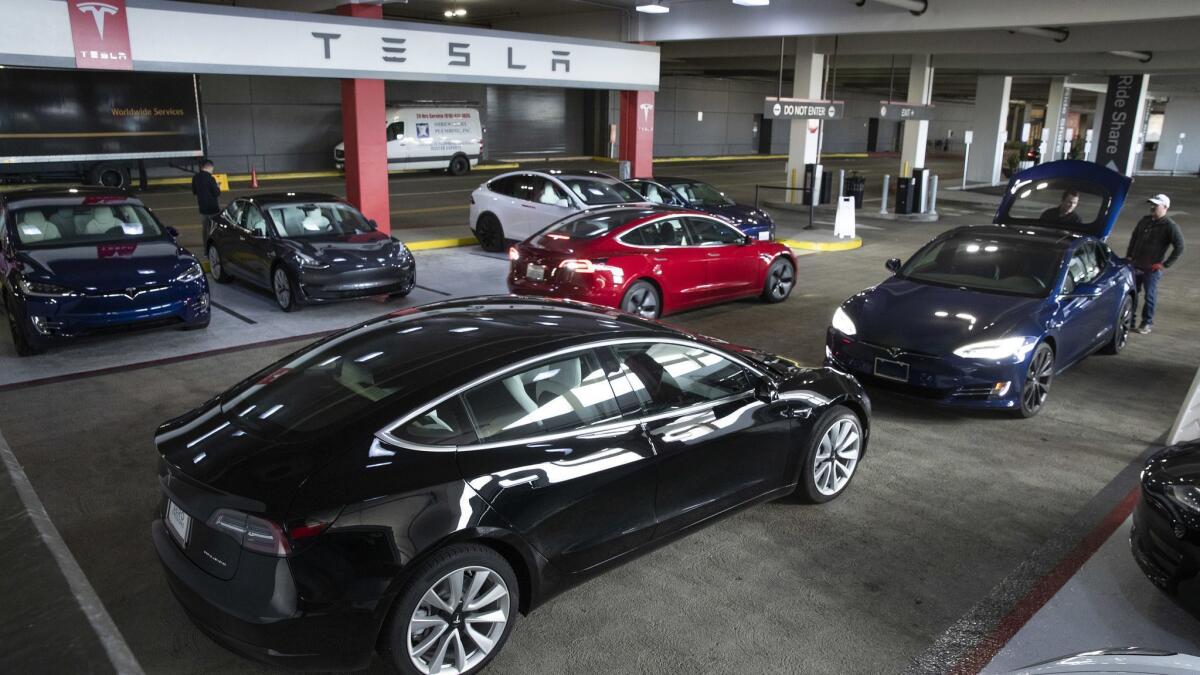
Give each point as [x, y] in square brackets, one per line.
[577, 265]
[308, 529]
[513, 253]
[252, 532]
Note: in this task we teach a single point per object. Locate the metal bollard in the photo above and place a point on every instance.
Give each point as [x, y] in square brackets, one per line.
[841, 185]
[883, 202]
[933, 184]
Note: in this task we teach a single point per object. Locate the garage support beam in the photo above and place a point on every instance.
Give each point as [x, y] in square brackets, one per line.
[916, 132]
[805, 134]
[991, 120]
[363, 113]
[1054, 131]
[1097, 124]
[636, 140]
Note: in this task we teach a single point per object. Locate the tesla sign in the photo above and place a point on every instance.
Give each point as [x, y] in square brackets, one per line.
[801, 109]
[100, 33]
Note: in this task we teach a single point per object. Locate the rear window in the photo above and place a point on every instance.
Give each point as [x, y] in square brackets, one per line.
[593, 225]
[80, 224]
[594, 191]
[1056, 203]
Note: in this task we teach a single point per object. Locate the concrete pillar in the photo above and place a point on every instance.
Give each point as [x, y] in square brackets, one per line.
[636, 138]
[991, 117]
[802, 142]
[364, 135]
[1097, 123]
[1182, 116]
[1058, 103]
[916, 132]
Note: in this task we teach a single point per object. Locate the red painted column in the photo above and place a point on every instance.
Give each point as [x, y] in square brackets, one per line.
[363, 132]
[635, 142]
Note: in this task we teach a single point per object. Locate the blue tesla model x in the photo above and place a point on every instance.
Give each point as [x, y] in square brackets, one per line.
[86, 260]
[986, 316]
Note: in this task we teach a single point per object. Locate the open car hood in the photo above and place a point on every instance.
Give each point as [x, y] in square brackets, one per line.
[1065, 174]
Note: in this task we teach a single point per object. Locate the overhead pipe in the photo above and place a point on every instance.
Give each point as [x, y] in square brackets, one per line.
[1144, 57]
[1056, 34]
[917, 7]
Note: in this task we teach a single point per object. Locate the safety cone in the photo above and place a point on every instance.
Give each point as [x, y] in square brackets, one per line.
[253, 178]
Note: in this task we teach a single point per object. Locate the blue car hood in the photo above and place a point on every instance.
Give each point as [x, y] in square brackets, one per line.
[1092, 176]
[109, 267]
[935, 319]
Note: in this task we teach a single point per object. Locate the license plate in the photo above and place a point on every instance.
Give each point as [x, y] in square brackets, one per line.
[891, 370]
[535, 272]
[179, 522]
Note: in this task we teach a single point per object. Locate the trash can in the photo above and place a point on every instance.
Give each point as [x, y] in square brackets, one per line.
[809, 172]
[624, 169]
[904, 195]
[920, 179]
[855, 186]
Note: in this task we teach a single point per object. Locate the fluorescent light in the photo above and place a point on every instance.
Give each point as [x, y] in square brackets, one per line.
[1056, 34]
[1137, 56]
[752, 3]
[460, 12]
[653, 8]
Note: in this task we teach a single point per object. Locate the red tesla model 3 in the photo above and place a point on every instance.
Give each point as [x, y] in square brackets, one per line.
[649, 261]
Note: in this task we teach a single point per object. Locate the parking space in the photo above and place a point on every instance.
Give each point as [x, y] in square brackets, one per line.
[945, 507]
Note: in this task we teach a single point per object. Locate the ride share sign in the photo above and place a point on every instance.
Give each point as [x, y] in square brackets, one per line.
[802, 109]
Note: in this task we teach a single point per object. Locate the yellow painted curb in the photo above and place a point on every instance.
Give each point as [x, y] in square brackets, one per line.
[439, 243]
[849, 245]
[432, 209]
[738, 158]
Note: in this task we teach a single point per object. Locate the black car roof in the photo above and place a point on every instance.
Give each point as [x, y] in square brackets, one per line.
[292, 197]
[39, 193]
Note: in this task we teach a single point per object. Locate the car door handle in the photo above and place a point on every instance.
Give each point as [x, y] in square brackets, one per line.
[714, 255]
[529, 206]
[520, 480]
[660, 259]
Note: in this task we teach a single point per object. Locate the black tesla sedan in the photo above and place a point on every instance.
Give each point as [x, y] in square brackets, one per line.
[307, 247]
[417, 480]
[1166, 522]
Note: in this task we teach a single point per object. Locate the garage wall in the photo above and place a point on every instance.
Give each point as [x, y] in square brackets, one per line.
[291, 124]
[1182, 115]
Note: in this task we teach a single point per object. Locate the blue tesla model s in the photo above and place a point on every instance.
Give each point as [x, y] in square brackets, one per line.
[86, 260]
[694, 194]
[986, 316]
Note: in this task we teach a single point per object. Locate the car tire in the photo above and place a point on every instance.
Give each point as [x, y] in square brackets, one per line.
[781, 279]
[17, 326]
[109, 175]
[1121, 330]
[283, 288]
[459, 165]
[490, 233]
[642, 299]
[216, 264]
[834, 450]
[1038, 378]
[420, 627]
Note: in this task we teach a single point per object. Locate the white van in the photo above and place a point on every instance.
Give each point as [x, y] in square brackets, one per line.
[429, 137]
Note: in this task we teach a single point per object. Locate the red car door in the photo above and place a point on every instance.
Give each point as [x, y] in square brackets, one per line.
[731, 262]
[678, 267]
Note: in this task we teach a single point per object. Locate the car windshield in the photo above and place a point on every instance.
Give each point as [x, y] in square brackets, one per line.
[73, 224]
[1005, 264]
[700, 194]
[296, 221]
[592, 225]
[593, 191]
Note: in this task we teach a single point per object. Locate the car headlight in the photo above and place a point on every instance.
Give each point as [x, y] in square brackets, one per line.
[306, 260]
[842, 323]
[42, 289]
[1186, 496]
[192, 273]
[994, 350]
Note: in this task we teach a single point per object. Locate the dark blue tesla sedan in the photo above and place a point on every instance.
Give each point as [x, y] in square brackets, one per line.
[986, 316]
[87, 260]
[694, 194]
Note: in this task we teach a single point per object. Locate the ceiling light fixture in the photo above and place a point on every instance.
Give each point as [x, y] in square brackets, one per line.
[655, 7]
[1056, 34]
[1144, 57]
[752, 3]
[917, 7]
[454, 13]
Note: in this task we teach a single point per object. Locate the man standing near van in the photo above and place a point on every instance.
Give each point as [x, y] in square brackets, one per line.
[1148, 253]
[208, 196]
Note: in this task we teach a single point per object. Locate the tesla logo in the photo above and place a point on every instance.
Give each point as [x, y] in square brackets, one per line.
[646, 109]
[100, 33]
[894, 352]
[98, 10]
[131, 292]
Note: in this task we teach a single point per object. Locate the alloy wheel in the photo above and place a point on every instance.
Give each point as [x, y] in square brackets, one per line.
[642, 301]
[1037, 380]
[1126, 323]
[782, 278]
[214, 262]
[283, 288]
[837, 456]
[459, 621]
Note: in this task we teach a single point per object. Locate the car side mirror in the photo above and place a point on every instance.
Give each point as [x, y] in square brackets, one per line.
[893, 264]
[747, 240]
[173, 232]
[766, 391]
[562, 203]
[374, 225]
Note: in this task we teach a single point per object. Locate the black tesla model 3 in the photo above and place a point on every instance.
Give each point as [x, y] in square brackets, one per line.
[1166, 522]
[416, 481]
[307, 247]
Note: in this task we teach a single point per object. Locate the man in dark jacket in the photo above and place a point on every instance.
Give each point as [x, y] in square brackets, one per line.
[1064, 213]
[1148, 253]
[208, 195]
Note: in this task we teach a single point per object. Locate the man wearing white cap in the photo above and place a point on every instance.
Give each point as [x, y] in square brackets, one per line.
[1148, 253]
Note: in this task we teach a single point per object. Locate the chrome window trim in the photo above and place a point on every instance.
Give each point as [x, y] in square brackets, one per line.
[621, 237]
[385, 435]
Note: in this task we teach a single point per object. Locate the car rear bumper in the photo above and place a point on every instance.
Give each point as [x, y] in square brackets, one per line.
[594, 288]
[328, 285]
[244, 613]
[57, 318]
[946, 380]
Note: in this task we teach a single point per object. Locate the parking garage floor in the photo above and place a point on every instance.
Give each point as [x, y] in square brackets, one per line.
[952, 522]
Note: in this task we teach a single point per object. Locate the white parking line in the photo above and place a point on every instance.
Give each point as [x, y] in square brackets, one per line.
[119, 654]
